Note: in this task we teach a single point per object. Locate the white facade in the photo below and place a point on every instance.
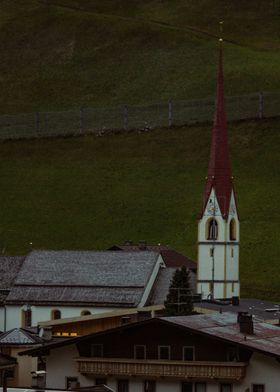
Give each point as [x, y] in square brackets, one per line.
[218, 254]
[261, 369]
[12, 317]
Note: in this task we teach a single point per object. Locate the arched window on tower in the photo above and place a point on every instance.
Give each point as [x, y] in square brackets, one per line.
[232, 230]
[212, 229]
[55, 314]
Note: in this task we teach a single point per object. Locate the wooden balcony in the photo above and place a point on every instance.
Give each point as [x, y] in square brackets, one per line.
[226, 371]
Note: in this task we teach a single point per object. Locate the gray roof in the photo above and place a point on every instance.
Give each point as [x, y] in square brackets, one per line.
[19, 336]
[266, 337]
[83, 277]
[9, 267]
[162, 285]
[260, 309]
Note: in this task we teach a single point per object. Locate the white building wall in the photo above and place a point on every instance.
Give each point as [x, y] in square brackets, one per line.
[43, 313]
[60, 365]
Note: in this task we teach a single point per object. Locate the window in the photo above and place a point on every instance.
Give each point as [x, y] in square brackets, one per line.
[27, 318]
[149, 386]
[122, 386]
[163, 352]
[188, 353]
[96, 350]
[212, 229]
[186, 387]
[232, 252]
[258, 388]
[55, 314]
[85, 313]
[232, 287]
[72, 382]
[139, 352]
[232, 230]
[233, 354]
[100, 381]
[200, 387]
[211, 252]
[226, 388]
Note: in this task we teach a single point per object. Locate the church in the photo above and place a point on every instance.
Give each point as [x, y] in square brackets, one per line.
[218, 226]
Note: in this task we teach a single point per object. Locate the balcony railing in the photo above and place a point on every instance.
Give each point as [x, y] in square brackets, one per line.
[232, 371]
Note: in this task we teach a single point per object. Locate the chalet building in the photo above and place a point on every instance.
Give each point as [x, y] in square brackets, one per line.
[218, 226]
[62, 284]
[221, 352]
[11, 343]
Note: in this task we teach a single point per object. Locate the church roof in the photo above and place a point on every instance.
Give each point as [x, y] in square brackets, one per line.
[96, 278]
[171, 258]
[219, 172]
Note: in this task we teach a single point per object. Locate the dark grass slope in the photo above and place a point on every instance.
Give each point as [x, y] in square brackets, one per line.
[60, 54]
[92, 192]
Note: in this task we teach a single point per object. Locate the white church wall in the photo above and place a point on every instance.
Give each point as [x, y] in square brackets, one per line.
[43, 313]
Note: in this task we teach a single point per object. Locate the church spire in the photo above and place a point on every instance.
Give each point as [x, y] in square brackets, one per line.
[219, 172]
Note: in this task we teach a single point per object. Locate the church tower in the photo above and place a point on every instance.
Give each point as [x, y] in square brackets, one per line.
[218, 226]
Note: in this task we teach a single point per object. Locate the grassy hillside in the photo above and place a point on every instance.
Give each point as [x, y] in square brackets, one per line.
[92, 192]
[58, 54]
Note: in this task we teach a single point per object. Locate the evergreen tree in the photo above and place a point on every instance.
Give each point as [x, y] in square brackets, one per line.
[179, 298]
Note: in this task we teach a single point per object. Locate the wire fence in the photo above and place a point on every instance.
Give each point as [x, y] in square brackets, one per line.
[100, 121]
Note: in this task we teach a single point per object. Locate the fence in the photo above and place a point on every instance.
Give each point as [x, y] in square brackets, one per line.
[102, 120]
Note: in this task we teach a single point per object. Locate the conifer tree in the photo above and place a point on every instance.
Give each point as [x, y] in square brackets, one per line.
[179, 298]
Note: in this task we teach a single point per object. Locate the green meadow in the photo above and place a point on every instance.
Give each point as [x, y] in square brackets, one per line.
[91, 192]
[63, 54]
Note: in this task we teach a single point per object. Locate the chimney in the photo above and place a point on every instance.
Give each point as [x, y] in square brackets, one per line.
[46, 334]
[245, 322]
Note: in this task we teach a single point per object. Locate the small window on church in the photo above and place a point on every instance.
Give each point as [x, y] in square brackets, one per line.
[232, 230]
[55, 314]
[212, 229]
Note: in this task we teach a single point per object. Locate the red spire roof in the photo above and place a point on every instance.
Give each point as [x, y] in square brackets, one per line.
[219, 173]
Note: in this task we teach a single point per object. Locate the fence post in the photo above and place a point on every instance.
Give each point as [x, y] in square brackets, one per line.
[82, 120]
[46, 122]
[261, 105]
[37, 122]
[170, 113]
[125, 117]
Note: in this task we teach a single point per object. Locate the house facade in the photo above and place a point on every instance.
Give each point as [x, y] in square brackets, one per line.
[203, 353]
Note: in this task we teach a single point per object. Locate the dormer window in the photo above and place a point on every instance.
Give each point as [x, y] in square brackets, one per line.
[212, 229]
[232, 230]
